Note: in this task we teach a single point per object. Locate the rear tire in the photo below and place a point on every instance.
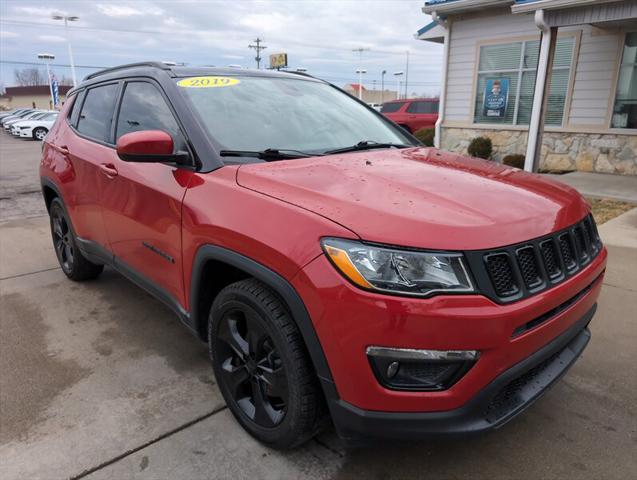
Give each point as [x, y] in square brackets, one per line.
[262, 366]
[39, 133]
[74, 265]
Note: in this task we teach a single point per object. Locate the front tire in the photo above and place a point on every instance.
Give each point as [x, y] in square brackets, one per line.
[39, 133]
[73, 263]
[262, 366]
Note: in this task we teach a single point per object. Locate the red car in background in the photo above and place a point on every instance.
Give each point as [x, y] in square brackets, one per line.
[412, 114]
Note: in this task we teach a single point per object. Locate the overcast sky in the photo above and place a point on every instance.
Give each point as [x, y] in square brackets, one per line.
[317, 35]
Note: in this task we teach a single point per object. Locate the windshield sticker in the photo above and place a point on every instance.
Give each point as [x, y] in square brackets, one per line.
[207, 82]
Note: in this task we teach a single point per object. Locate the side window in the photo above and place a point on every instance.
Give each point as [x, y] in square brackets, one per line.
[144, 108]
[414, 107]
[97, 112]
[74, 112]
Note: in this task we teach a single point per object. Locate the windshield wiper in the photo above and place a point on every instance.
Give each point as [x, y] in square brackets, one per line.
[269, 154]
[367, 145]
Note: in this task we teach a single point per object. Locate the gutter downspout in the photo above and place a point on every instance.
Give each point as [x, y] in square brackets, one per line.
[540, 95]
[443, 81]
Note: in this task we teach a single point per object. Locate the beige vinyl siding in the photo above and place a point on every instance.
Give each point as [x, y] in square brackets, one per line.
[595, 77]
[594, 70]
[465, 36]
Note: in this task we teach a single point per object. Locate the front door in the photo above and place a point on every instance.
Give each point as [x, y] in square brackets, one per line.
[142, 201]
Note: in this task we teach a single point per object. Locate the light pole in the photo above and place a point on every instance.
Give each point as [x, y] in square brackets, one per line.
[67, 19]
[47, 57]
[398, 75]
[360, 72]
[382, 86]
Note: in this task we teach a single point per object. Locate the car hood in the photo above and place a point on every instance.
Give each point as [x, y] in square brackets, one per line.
[421, 197]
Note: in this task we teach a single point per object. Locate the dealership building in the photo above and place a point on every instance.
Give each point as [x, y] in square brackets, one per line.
[554, 80]
[33, 96]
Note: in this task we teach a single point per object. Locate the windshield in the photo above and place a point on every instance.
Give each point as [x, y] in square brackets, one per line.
[259, 113]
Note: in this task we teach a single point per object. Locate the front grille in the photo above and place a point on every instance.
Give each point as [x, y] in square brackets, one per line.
[529, 267]
[566, 249]
[518, 271]
[549, 256]
[501, 274]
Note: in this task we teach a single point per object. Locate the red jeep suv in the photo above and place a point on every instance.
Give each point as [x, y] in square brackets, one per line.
[334, 266]
[412, 114]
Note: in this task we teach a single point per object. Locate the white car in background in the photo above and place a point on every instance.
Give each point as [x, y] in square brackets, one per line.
[35, 128]
[7, 123]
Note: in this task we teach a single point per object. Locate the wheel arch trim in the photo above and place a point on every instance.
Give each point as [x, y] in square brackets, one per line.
[280, 286]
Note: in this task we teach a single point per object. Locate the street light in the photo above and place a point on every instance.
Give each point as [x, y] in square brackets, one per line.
[382, 86]
[398, 75]
[360, 72]
[47, 57]
[67, 19]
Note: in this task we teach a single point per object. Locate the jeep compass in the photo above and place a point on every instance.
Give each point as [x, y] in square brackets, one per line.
[335, 268]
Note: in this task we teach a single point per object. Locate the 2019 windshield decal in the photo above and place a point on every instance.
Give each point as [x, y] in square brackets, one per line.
[208, 82]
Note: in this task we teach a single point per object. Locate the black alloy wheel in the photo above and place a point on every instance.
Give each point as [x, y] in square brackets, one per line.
[73, 263]
[62, 240]
[262, 366]
[251, 367]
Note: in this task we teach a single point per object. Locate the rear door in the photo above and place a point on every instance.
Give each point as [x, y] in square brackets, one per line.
[87, 147]
[142, 201]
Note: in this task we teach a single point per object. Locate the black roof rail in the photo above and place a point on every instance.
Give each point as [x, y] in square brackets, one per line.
[302, 74]
[161, 65]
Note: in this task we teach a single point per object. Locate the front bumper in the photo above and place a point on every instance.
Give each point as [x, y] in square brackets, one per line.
[501, 400]
[26, 133]
[348, 320]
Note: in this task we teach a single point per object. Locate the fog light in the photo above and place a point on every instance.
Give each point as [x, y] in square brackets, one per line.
[414, 369]
[392, 369]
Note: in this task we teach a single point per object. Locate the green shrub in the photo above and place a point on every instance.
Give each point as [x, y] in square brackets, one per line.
[481, 147]
[514, 160]
[426, 136]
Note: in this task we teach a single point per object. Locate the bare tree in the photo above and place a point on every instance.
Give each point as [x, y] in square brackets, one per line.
[29, 77]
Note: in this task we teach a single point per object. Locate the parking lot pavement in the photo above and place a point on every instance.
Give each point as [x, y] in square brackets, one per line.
[19, 183]
[99, 380]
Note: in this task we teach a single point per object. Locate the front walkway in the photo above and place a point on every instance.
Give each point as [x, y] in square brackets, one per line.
[601, 185]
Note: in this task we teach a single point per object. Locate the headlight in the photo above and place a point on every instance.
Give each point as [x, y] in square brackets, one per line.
[398, 271]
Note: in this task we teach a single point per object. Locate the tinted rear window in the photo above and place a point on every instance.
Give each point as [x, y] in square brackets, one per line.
[97, 112]
[391, 107]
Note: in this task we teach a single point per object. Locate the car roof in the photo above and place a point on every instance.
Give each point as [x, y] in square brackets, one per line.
[152, 69]
[423, 99]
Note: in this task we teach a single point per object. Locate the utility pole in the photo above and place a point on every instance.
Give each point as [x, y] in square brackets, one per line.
[258, 47]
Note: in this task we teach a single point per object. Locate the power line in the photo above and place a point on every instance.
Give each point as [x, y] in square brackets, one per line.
[189, 33]
[15, 62]
[329, 77]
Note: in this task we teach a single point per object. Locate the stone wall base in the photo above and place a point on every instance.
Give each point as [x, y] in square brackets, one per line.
[603, 153]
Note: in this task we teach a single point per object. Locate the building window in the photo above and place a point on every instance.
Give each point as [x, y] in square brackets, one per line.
[625, 111]
[506, 82]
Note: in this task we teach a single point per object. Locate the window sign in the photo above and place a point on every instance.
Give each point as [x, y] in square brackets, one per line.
[514, 65]
[496, 97]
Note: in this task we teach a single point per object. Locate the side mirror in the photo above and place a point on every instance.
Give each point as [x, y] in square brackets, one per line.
[148, 146]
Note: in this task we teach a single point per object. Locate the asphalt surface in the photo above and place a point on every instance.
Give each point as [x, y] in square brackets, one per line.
[99, 380]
